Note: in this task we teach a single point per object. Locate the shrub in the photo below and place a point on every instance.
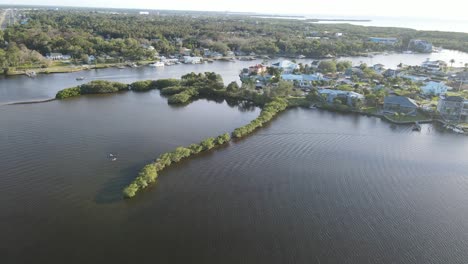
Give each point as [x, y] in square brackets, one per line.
[195, 148]
[208, 143]
[100, 87]
[180, 153]
[173, 90]
[183, 97]
[69, 92]
[142, 86]
[223, 139]
[163, 83]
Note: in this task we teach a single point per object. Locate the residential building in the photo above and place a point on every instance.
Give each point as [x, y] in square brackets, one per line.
[192, 60]
[91, 59]
[354, 71]
[303, 80]
[419, 45]
[385, 41]
[185, 51]
[434, 88]
[400, 104]
[437, 65]
[286, 66]
[257, 69]
[379, 68]
[349, 96]
[454, 108]
[57, 56]
[315, 64]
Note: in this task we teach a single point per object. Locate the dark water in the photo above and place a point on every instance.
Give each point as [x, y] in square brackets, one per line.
[311, 187]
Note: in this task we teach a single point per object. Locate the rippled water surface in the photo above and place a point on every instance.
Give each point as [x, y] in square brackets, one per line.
[311, 187]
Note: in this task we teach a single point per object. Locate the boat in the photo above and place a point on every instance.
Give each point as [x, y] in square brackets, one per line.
[80, 78]
[114, 159]
[416, 127]
[121, 67]
[156, 64]
[31, 74]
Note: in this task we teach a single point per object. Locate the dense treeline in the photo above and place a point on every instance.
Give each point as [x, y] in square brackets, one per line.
[120, 37]
[149, 173]
[268, 112]
[94, 87]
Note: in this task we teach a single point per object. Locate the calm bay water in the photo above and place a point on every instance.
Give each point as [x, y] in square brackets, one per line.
[311, 187]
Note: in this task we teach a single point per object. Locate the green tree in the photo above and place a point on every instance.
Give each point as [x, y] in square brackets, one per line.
[232, 87]
[327, 67]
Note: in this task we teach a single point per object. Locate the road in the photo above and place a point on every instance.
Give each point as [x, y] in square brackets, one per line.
[7, 17]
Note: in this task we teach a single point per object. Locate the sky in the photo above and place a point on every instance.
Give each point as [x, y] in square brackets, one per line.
[447, 9]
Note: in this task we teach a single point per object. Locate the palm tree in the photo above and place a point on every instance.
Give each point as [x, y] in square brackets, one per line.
[452, 61]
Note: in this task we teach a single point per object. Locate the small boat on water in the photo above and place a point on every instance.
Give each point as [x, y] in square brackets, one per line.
[156, 64]
[80, 78]
[114, 159]
[416, 127]
[31, 74]
[121, 67]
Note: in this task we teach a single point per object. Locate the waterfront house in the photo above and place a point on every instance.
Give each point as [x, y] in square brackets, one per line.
[91, 59]
[315, 64]
[192, 60]
[437, 65]
[420, 45]
[385, 41]
[400, 104]
[434, 88]
[379, 68]
[230, 54]
[350, 97]
[454, 108]
[286, 66]
[57, 56]
[303, 80]
[185, 51]
[257, 69]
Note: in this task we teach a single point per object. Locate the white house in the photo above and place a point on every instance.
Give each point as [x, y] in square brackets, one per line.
[91, 58]
[57, 56]
[286, 65]
[433, 65]
[192, 60]
[303, 80]
[332, 94]
[434, 88]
